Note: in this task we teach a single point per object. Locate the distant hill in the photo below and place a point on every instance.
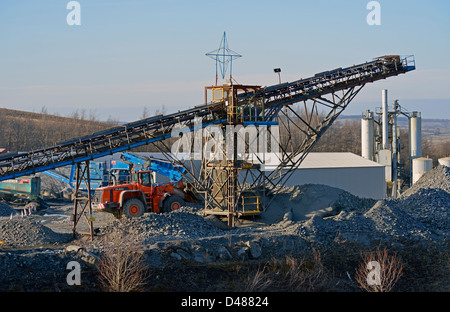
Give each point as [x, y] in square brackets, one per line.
[22, 131]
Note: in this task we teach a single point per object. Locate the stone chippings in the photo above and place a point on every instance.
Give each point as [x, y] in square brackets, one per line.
[185, 223]
[418, 215]
[6, 210]
[28, 233]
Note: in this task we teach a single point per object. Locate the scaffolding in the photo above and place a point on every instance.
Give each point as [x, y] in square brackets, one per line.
[225, 175]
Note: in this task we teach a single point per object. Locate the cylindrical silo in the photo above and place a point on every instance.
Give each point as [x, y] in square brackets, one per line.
[420, 166]
[415, 135]
[445, 161]
[367, 135]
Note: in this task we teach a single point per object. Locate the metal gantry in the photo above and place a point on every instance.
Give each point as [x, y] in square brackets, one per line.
[82, 207]
[323, 97]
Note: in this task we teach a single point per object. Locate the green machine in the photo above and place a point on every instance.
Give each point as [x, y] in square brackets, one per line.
[26, 185]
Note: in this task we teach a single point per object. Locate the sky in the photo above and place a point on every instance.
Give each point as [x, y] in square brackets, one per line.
[127, 56]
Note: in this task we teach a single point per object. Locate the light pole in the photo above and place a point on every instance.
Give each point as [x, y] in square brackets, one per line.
[278, 70]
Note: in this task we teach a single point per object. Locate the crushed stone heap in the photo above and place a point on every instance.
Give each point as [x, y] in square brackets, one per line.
[20, 232]
[6, 210]
[420, 214]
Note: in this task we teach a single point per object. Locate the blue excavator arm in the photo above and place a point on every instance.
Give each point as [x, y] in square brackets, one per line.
[163, 167]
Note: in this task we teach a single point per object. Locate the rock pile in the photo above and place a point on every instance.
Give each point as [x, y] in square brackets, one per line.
[438, 178]
[300, 217]
[185, 223]
[6, 210]
[26, 232]
[429, 199]
[420, 214]
[216, 250]
[186, 235]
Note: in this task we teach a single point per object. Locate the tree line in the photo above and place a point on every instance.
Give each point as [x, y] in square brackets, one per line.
[23, 131]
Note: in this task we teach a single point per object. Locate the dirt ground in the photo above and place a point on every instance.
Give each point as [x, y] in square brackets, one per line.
[313, 238]
[425, 268]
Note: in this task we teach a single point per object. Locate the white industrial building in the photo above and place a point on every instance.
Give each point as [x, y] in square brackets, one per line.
[347, 171]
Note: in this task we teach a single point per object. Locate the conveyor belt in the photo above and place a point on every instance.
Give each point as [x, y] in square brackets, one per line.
[157, 128]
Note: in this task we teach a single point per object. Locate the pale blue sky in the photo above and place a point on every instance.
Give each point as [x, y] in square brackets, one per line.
[127, 55]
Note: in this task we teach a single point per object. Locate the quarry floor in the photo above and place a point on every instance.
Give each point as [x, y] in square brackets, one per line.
[324, 231]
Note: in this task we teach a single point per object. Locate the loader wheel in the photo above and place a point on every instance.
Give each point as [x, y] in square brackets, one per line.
[172, 203]
[133, 208]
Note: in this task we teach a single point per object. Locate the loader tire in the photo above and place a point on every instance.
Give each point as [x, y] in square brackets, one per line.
[172, 203]
[133, 208]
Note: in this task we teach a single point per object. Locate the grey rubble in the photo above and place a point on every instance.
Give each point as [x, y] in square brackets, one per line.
[419, 215]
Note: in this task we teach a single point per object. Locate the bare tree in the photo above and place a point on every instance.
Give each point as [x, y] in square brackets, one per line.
[122, 267]
[379, 271]
[289, 274]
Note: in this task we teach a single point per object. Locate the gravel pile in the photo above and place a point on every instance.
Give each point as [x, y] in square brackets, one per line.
[419, 215]
[429, 199]
[6, 210]
[438, 178]
[20, 232]
[298, 218]
[185, 223]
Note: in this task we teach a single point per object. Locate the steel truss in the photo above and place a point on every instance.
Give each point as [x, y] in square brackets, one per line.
[82, 207]
[300, 130]
[328, 92]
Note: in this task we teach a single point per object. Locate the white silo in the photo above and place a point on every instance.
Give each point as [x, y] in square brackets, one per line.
[445, 161]
[415, 135]
[420, 166]
[367, 135]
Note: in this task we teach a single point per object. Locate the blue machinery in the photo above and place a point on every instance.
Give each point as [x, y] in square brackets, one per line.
[104, 173]
[100, 174]
[323, 97]
[163, 167]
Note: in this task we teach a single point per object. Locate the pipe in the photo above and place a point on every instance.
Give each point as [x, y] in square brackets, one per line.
[385, 120]
[394, 150]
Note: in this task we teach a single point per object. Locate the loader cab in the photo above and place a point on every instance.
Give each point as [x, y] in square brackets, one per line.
[121, 175]
[144, 178]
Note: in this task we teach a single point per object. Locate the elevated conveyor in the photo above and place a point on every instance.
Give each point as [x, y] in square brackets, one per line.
[158, 128]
